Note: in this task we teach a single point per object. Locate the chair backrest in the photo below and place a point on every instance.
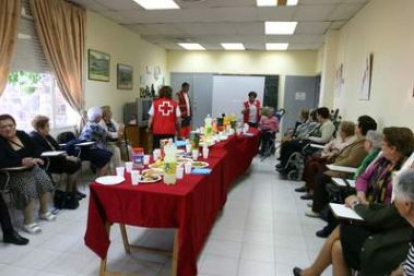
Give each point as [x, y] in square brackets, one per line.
[66, 137]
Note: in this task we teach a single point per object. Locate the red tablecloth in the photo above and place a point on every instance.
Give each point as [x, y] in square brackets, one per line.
[191, 205]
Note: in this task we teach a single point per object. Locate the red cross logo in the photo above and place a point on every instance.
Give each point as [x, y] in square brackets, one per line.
[166, 109]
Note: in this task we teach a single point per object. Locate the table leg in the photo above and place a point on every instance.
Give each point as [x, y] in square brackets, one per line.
[102, 269]
[174, 263]
[125, 238]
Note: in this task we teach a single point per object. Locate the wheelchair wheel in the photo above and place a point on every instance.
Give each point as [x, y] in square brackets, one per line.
[293, 175]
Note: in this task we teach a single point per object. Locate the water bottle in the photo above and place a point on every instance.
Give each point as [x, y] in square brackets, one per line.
[170, 164]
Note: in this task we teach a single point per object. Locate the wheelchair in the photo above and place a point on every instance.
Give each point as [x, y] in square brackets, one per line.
[295, 166]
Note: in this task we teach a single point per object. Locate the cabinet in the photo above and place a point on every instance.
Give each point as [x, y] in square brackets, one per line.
[138, 137]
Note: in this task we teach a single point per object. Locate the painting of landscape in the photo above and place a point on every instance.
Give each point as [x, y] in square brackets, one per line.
[98, 65]
[125, 73]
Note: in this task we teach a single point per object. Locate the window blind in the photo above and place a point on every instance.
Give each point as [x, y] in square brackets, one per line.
[29, 55]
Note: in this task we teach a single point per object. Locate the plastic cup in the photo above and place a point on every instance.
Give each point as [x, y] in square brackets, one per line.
[128, 166]
[156, 154]
[180, 172]
[195, 154]
[188, 148]
[205, 152]
[135, 177]
[146, 159]
[187, 167]
[120, 171]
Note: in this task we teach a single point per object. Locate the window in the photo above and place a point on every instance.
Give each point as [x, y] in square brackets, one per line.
[32, 88]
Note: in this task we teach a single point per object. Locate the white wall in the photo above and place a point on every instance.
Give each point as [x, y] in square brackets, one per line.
[386, 29]
[124, 47]
[281, 63]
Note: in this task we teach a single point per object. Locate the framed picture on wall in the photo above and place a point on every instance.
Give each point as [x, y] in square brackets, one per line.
[124, 77]
[98, 65]
[365, 91]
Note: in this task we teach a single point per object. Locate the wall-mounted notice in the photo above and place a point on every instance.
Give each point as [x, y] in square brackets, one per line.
[300, 96]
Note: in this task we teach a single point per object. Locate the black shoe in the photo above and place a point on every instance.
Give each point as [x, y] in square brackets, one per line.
[279, 166]
[301, 189]
[15, 238]
[80, 195]
[306, 197]
[324, 232]
[297, 271]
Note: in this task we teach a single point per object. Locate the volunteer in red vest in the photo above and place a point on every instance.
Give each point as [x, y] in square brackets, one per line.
[185, 108]
[164, 117]
[251, 110]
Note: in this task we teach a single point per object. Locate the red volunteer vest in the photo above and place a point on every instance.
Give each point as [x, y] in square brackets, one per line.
[183, 105]
[246, 114]
[164, 121]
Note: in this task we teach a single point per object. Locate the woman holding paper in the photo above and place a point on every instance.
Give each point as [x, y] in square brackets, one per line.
[66, 164]
[28, 182]
[380, 242]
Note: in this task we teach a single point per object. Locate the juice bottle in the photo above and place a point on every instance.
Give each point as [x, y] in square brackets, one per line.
[170, 164]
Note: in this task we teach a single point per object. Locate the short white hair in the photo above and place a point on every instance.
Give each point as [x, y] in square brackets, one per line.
[94, 113]
[375, 137]
[404, 185]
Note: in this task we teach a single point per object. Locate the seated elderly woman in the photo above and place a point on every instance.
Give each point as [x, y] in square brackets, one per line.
[372, 146]
[379, 243]
[29, 183]
[66, 164]
[404, 202]
[114, 132]
[330, 151]
[94, 132]
[323, 135]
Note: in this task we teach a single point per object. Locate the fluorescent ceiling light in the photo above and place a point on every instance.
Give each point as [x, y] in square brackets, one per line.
[157, 4]
[280, 28]
[266, 3]
[274, 3]
[191, 46]
[277, 46]
[233, 46]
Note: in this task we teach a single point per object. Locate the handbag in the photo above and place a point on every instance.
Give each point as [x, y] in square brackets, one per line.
[65, 200]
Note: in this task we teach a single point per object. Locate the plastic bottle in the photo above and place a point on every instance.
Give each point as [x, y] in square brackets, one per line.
[208, 127]
[170, 164]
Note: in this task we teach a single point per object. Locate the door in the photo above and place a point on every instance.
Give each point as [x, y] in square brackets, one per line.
[201, 87]
[300, 92]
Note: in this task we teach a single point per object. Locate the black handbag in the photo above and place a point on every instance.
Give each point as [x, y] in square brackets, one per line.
[65, 200]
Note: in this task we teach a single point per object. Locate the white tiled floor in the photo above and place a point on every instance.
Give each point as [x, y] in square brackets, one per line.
[262, 232]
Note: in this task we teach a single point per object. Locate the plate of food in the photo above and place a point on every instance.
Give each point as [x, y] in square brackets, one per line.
[110, 180]
[150, 176]
[199, 164]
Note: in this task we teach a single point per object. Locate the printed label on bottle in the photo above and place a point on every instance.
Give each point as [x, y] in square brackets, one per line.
[170, 167]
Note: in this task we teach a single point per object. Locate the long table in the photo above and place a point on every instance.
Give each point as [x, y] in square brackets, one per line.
[191, 205]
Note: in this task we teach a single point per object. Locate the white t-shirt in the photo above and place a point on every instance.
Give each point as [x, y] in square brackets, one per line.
[252, 113]
[187, 103]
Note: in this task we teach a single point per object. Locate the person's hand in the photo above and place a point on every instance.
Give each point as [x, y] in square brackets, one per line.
[38, 161]
[31, 162]
[398, 272]
[351, 200]
[72, 158]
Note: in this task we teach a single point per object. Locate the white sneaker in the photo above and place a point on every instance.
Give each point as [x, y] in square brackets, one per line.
[47, 216]
[32, 228]
[312, 214]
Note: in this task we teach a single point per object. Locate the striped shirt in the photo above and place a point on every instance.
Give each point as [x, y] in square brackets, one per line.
[408, 265]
